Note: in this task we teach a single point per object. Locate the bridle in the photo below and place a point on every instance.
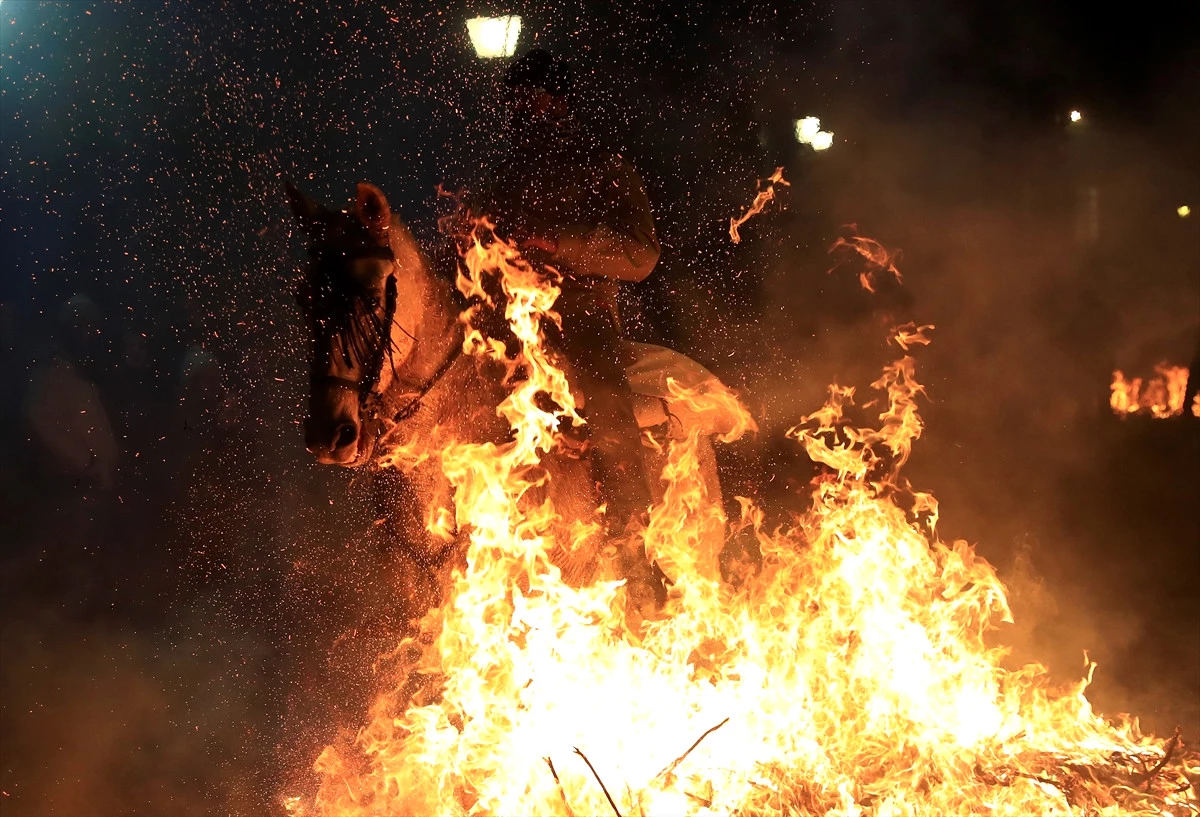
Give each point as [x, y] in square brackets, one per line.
[370, 401]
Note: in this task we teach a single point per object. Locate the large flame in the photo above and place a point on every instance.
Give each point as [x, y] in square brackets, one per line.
[1161, 395]
[848, 675]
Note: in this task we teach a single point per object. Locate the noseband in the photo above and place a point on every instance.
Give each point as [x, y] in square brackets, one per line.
[370, 401]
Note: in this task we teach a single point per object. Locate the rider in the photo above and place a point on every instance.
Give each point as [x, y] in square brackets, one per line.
[582, 210]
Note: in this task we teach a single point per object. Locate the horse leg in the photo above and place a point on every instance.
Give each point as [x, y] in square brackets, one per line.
[412, 557]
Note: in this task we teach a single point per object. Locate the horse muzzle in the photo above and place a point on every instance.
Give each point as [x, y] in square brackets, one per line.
[346, 442]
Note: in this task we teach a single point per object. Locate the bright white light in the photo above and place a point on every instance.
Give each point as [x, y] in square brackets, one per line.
[807, 128]
[808, 132]
[494, 36]
[1076, 116]
[1183, 210]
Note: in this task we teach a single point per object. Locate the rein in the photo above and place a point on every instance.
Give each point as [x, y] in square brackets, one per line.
[413, 406]
[371, 401]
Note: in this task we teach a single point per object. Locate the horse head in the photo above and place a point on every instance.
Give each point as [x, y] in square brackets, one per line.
[362, 296]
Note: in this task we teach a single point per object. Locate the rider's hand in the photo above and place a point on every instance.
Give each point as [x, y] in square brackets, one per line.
[532, 234]
[544, 243]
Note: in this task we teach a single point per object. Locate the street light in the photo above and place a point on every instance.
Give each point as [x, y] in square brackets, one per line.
[1075, 116]
[808, 132]
[494, 36]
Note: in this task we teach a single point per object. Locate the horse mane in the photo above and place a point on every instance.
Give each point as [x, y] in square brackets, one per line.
[331, 297]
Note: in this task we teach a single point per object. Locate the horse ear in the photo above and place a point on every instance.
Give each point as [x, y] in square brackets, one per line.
[305, 209]
[371, 207]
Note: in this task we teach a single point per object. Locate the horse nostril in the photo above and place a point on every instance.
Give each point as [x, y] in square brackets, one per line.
[346, 436]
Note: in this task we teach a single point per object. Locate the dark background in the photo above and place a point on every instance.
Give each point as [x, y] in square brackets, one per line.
[153, 628]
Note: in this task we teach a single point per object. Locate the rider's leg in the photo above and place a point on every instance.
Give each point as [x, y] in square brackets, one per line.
[593, 346]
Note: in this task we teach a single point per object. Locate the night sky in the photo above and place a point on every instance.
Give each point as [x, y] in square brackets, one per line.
[155, 630]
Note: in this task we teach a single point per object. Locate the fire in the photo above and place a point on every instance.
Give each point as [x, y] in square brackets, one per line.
[1161, 395]
[850, 674]
[876, 259]
[765, 196]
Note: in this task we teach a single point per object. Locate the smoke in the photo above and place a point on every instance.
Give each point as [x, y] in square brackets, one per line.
[104, 720]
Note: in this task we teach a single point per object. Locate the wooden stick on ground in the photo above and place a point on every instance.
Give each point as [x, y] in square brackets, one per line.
[603, 788]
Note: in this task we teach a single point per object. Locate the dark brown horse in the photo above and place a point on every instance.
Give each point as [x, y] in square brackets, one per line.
[388, 371]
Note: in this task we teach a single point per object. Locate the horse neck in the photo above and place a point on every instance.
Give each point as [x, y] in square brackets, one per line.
[429, 314]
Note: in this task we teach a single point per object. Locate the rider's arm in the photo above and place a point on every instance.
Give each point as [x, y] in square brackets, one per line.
[623, 244]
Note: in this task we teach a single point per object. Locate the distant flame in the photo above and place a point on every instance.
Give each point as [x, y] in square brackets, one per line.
[1161, 395]
[876, 259]
[910, 335]
[764, 197]
[848, 675]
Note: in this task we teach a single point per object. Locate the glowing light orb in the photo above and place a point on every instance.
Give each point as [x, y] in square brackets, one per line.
[1183, 210]
[1076, 116]
[494, 36]
[808, 132]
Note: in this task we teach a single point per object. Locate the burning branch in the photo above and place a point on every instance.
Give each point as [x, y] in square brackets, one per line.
[1173, 745]
[665, 774]
[561, 792]
[596, 775]
[764, 197]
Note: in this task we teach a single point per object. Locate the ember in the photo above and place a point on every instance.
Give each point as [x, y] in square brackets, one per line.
[850, 674]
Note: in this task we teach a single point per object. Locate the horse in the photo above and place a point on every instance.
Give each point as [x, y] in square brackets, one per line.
[387, 365]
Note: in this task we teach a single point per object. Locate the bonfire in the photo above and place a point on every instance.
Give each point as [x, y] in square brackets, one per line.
[848, 670]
